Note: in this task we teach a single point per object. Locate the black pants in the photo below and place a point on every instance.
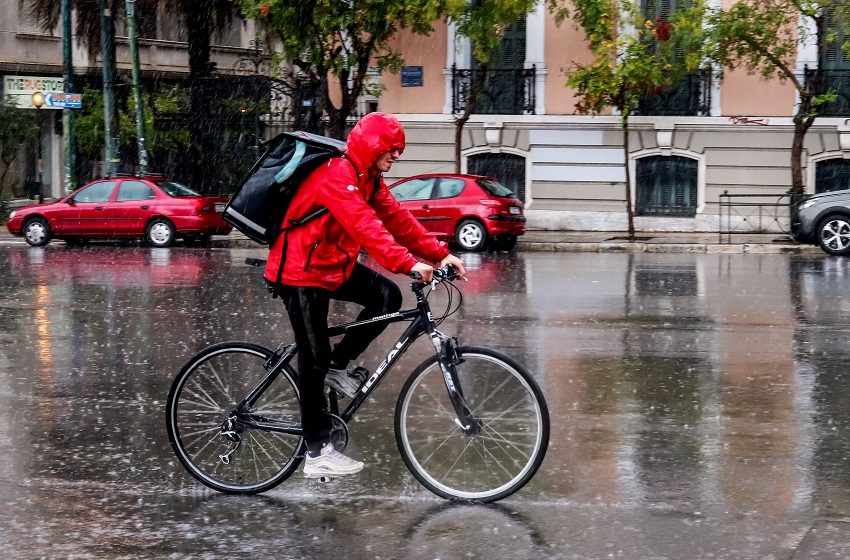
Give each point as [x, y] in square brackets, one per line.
[308, 313]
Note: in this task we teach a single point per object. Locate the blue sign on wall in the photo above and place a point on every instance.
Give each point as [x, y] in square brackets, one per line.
[411, 76]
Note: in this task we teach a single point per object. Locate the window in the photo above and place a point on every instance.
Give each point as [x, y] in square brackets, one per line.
[98, 192]
[836, 67]
[449, 188]
[415, 189]
[507, 169]
[173, 188]
[134, 190]
[666, 186]
[832, 175]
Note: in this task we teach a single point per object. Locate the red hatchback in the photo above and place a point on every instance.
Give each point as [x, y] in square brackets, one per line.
[472, 210]
[151, 207]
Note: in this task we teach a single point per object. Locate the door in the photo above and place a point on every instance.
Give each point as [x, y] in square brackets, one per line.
[415, 195]
[91, 202]
[133, 206]
[446, 207]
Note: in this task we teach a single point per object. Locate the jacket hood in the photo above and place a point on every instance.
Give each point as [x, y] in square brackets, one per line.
[373, 135]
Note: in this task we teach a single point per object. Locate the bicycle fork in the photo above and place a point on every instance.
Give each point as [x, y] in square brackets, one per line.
[448, 358]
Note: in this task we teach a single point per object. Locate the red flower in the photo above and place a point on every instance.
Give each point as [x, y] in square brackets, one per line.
[663, 29]
[264, 10]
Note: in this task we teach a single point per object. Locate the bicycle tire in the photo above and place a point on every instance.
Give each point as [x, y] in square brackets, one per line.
[214, 381]
[483, 466]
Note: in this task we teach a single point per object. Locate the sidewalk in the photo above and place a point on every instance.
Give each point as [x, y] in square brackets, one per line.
[618, 242]
[601, 242]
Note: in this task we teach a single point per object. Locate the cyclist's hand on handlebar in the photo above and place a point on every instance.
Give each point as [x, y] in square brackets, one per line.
[454, 262]
[422, 272]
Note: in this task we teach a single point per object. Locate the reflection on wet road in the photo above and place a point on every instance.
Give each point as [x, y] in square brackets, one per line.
[699, 410]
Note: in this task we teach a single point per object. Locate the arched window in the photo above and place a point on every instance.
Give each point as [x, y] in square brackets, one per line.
[508, 169]
[666, 186]
[832, 175]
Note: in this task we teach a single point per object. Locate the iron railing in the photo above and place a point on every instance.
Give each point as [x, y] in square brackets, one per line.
[838, 82]
[743, 213]
[690, 97]
[505, 92]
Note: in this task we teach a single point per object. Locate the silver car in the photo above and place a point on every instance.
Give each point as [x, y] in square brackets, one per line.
[824, 219]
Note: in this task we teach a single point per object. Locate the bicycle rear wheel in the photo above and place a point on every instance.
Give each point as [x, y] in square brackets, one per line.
[482, 465]
[210, 436]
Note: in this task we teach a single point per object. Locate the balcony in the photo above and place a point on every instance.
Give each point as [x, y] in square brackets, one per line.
[690, 97]
[837, 81]
[506, 92]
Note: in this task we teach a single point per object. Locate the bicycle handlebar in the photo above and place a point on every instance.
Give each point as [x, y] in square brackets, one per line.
[441, 274]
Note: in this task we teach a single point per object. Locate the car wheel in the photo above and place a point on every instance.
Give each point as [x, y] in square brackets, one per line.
[37, 232]
[471, 235]
[504, 243]
[834, 234]
[160, 233]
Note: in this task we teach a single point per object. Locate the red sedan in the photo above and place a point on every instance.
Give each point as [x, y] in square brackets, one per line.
[472, 210]
[151, 207]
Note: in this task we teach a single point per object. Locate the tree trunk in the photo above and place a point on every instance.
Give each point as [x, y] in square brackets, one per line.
[626, 150]
[202, 128]
[475, 88]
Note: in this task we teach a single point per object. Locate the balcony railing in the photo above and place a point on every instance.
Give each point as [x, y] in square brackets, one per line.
[505, 92]
[690, 97]
[837, 81]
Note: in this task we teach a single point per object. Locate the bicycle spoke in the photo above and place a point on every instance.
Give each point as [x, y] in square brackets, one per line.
[202, 398]
[497, 455]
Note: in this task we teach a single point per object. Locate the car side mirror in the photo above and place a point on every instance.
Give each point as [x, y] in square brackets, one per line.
[70, 201]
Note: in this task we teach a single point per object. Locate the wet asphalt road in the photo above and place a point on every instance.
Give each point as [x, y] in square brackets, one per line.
[698, 410]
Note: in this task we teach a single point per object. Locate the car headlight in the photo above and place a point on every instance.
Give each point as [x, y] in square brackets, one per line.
[807, 203]
[12, 215]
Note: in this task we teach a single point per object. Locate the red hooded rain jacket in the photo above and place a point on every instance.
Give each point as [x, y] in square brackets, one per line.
[322, 252]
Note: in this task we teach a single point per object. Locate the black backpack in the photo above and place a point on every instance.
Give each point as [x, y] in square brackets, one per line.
[261, 202]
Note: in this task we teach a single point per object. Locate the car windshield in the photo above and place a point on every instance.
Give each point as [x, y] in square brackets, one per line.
[495, 188]
[172, 188]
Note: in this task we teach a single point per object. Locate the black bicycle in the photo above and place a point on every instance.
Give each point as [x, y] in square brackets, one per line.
[471, 424]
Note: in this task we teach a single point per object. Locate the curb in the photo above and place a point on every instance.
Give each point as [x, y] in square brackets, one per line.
[710, 248]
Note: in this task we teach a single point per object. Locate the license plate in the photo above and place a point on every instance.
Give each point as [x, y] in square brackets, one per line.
[219, 207]
[515, 210]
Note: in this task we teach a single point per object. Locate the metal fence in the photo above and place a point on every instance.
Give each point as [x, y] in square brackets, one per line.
[743, 213]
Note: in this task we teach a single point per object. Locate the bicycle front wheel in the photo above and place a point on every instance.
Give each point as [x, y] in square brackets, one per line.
[488, 463]
[213, 438]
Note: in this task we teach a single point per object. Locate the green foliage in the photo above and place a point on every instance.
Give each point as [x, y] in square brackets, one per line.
[167, 102]
[633, 56]
[485, 22]
[18, 127]
[340, 38]
[764, 36]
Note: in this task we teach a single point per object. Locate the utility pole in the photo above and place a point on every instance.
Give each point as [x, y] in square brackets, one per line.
[69, 140]
[107, 37]
[132, 29]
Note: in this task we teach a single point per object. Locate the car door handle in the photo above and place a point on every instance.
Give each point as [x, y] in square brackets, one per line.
[145, 207]
[425, 207]
[98, 207]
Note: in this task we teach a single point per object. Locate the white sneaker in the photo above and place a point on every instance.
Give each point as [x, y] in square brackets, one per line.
[330, 462]
[345, 381]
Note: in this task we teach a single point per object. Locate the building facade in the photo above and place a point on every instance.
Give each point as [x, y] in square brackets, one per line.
[31, 59]
[720, 132]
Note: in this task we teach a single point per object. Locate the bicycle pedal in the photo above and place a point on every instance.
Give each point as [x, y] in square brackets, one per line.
[360, 373]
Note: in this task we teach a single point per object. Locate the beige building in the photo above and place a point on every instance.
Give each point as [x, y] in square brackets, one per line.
[715, 135]
[31, 59]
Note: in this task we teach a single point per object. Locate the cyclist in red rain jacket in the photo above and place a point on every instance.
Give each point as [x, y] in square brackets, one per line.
[314, 262]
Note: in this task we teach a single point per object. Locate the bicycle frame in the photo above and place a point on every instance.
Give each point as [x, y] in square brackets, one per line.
[422, 323]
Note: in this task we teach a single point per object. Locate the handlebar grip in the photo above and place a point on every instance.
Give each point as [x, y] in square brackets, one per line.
[415, 275]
